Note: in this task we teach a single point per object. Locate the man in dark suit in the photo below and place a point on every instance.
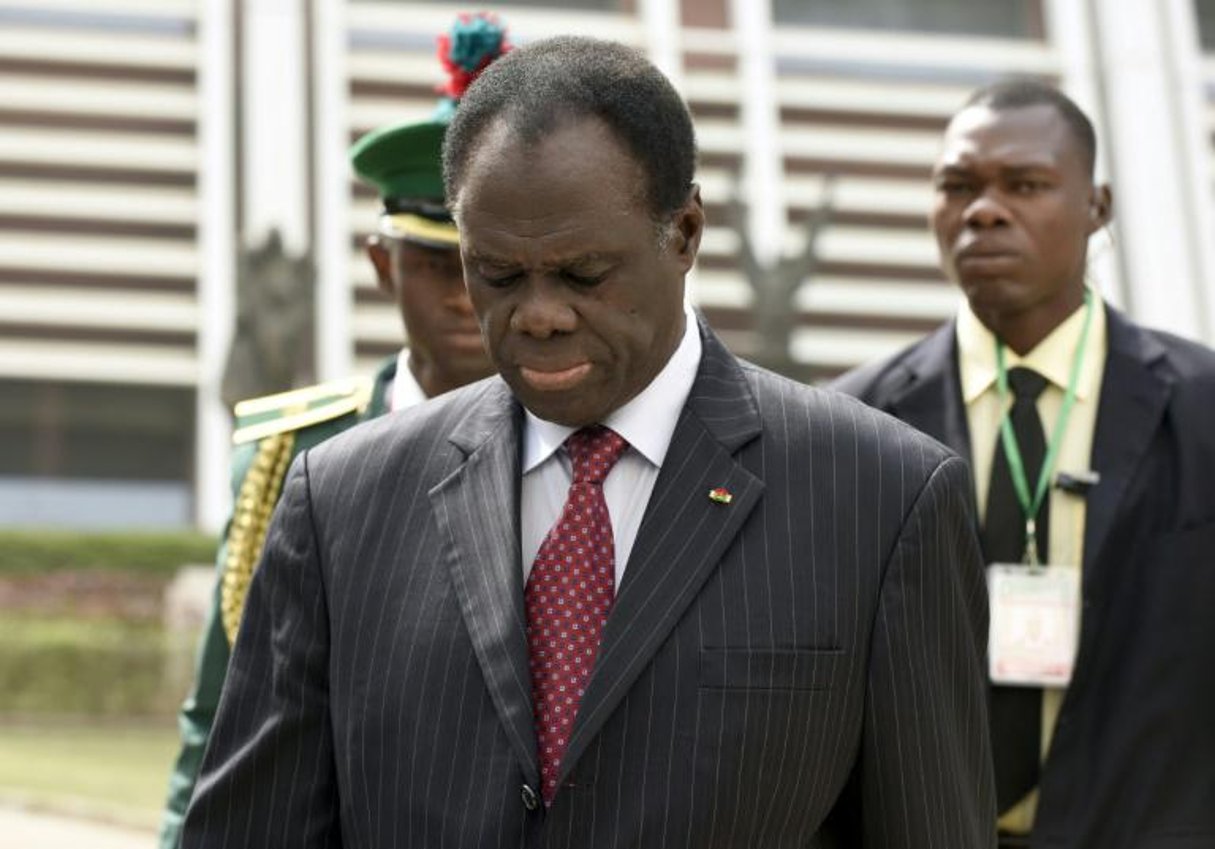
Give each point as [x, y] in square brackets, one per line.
[633, 592]
[1122, 756]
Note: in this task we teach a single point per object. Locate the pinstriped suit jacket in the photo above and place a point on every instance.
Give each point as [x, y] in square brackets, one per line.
[801, 667]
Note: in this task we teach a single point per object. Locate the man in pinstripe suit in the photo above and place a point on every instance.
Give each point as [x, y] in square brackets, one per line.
[793, 653]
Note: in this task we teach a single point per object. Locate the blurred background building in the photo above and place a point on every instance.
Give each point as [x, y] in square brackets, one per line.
[146, 146]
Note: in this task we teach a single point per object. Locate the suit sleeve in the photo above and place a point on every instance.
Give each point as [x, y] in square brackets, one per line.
[268, 778]
[926, 776]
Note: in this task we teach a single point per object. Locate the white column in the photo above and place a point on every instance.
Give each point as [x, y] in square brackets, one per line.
[217, 252]
[1150, 77]
[330, 94]
[1188, 85]
[1071, 32]
[274, 123]
[662, 22]
[760, 113]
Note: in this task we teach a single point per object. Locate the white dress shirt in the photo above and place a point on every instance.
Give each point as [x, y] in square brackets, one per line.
[647, 422]
[404, 390]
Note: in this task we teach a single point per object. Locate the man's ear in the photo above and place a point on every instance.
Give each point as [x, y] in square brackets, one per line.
[689, 225]
[1100, 207]
[381, 260]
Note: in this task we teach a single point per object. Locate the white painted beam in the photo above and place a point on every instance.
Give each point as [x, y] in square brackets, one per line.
[217, 248]
[331, 245]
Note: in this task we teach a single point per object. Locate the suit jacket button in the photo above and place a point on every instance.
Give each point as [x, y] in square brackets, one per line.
[531, 799]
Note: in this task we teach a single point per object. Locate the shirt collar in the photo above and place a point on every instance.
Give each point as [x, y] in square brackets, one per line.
[647, 422]
[1051, 358]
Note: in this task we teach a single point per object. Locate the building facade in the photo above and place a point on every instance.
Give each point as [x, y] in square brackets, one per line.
[145, 143]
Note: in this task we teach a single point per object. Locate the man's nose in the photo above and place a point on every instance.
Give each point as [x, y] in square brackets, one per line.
[541, 311]
[985, 211]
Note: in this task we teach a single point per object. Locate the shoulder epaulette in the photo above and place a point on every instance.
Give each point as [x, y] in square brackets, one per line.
[284, 412]
[273, 422]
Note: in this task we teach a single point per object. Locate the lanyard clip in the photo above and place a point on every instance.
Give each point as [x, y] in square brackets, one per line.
[1030, 557]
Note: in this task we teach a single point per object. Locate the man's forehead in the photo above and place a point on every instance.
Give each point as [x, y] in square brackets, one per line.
[1023, 136]
[552, 241]
[574, 179]
[567, 257]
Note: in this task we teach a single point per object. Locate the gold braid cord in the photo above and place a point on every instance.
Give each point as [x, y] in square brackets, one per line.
[258, 494]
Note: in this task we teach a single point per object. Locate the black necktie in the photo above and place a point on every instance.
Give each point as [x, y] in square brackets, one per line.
[1016, 712]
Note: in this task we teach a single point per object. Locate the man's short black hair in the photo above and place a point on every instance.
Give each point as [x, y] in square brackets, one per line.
[1021, 93]
[547, 83]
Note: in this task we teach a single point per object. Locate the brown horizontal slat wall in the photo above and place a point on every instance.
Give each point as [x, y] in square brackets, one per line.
[98, 207]
[865, 107]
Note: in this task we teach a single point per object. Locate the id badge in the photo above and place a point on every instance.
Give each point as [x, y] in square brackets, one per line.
[1035, 624]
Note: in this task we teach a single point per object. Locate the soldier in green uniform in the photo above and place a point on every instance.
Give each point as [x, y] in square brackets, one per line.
[417, 263]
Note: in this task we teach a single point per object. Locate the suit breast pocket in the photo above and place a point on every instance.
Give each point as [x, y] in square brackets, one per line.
[783, 719]
[768, 669]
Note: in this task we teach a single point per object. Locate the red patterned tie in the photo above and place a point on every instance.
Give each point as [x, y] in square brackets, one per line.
[569, 595]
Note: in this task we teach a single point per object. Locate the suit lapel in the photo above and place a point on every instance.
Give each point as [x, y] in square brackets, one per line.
[930, 399]
[477, 510]
[682, 536]
[1133, 399]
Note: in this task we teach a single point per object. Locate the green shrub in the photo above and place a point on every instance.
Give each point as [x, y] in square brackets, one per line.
[85, 667]
[34, 552]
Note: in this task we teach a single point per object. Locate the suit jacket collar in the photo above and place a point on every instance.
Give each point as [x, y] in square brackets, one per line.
[385, 374]
[476, 508]
[681, 539]
[927, 393]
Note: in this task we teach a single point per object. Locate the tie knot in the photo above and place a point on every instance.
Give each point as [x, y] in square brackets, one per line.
[593, 451]
[1025, 383]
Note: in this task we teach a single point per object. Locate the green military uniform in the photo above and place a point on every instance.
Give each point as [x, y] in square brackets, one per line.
[404, 163]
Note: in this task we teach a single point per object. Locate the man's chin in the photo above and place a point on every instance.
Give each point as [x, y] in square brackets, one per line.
[571, 408]
[991, 293]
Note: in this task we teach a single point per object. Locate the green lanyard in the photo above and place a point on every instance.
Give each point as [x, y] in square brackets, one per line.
[1031, 505]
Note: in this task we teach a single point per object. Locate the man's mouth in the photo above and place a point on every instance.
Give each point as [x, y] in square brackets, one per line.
[986, 259]
[984, 251]
[555, 379]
